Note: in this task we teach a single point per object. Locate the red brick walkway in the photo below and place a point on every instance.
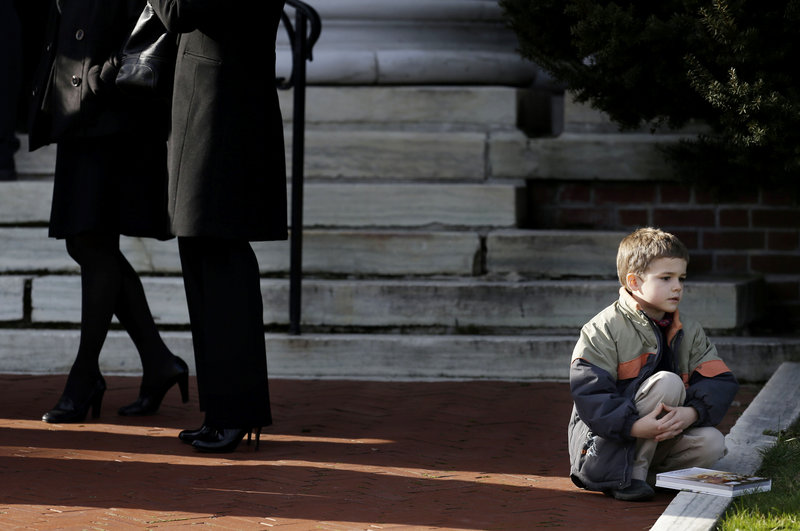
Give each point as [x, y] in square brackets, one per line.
[341, 455]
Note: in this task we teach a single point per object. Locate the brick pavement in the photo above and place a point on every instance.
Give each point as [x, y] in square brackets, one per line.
[341, 455]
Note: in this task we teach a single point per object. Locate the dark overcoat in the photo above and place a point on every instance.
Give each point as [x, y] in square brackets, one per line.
[111, 169]
[73, 94]
[226, 151]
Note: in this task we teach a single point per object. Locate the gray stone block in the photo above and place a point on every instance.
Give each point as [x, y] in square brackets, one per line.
[12, 290]
[531, 305]
[755, 359]
[39, 163]
[343, 252]
[416, 42]
[25, 201]
[552, 254]
[418, 357]
[607, 157]
[382, 253]
[342, 204]
[31, 250]
[412, 205]
[381, 105]
[348, 356]
[390, 154]
[338, 252]
[57, 299]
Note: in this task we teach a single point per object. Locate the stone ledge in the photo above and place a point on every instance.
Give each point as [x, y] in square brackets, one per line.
[337, 252]
[348, 356]
[447, 105]
[775, 408]
[343, 204]
[606, 157]
[413, 67]
[12, 291]
[552, 253]
[386, 155]
[449, 304]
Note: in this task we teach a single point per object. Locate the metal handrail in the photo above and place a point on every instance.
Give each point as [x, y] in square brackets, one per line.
[303, 35]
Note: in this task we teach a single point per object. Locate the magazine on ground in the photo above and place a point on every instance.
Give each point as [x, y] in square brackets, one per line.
[717, 482]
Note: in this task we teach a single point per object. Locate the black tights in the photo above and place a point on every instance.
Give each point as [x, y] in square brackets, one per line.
[110, 286]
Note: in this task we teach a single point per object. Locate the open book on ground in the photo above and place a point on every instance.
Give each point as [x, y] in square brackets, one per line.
[717, 482]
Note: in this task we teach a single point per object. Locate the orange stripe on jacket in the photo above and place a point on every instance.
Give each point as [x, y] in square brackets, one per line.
[631, 369]
[708, 369]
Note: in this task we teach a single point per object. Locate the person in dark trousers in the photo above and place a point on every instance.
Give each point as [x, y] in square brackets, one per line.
[227, 189]
[11, 75]
[110, 179]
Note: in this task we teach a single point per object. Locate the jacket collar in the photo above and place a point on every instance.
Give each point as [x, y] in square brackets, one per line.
[637, 315]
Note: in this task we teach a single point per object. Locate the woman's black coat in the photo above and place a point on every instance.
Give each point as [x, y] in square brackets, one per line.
[73, 95]
[226, 151]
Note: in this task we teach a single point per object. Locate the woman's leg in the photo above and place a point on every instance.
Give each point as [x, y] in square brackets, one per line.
[161, 369]
[99, 286]
[109, 285]
[100, 281]
[134, 314]
[224, 296]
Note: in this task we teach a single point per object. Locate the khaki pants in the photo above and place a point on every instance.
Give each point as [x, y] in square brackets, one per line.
[694, 447]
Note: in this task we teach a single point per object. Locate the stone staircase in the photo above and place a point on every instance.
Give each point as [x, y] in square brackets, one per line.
[417, 258]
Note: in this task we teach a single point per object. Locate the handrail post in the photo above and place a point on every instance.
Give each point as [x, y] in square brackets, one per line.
[302, 42]
[298, 151]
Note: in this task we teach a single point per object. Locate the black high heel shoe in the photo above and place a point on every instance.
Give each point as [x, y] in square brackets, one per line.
[150, 398]
[67, 411]
[204, 433]
[226, 440]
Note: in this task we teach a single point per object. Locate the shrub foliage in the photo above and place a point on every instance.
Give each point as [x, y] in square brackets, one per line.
[728, 63]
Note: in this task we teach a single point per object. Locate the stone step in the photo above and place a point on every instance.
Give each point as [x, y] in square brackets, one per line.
[342, 204]
[509, 252]
[393, 154]
[574, 156]
[378, 356]
[444, 306]
[325, 252]
[398, 153]
[552, 253]
[367, 42]
[472, 107]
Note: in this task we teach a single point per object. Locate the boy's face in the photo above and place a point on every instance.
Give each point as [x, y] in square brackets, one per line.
[660, 288]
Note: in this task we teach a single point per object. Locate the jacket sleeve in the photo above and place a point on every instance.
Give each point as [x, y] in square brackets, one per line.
[711, 386]
[594, 390]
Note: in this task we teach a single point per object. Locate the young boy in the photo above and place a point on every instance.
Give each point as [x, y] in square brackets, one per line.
[648, 386]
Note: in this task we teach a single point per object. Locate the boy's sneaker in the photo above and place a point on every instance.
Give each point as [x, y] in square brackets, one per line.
[638, 490]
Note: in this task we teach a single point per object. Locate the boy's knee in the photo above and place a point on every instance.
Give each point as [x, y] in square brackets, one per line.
[667, 387]
[711, 447]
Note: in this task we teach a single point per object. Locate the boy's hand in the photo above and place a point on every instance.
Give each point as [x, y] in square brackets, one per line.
[664, 422]
[676, 419]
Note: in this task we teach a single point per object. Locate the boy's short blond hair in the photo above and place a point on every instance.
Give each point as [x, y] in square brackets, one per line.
[638, 250]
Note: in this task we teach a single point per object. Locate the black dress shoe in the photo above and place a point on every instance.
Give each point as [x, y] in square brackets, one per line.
[204, 433]
[69, 409]
[638, 490]
[150, 398]
[226, 440]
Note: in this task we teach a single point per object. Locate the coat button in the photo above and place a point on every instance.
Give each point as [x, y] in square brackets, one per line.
[76, 81]
[48, 47]
[79, 35]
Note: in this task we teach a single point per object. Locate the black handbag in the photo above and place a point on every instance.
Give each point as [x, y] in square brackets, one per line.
[147, 67]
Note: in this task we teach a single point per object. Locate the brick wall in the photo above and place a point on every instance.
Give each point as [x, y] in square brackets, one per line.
[753, 232]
